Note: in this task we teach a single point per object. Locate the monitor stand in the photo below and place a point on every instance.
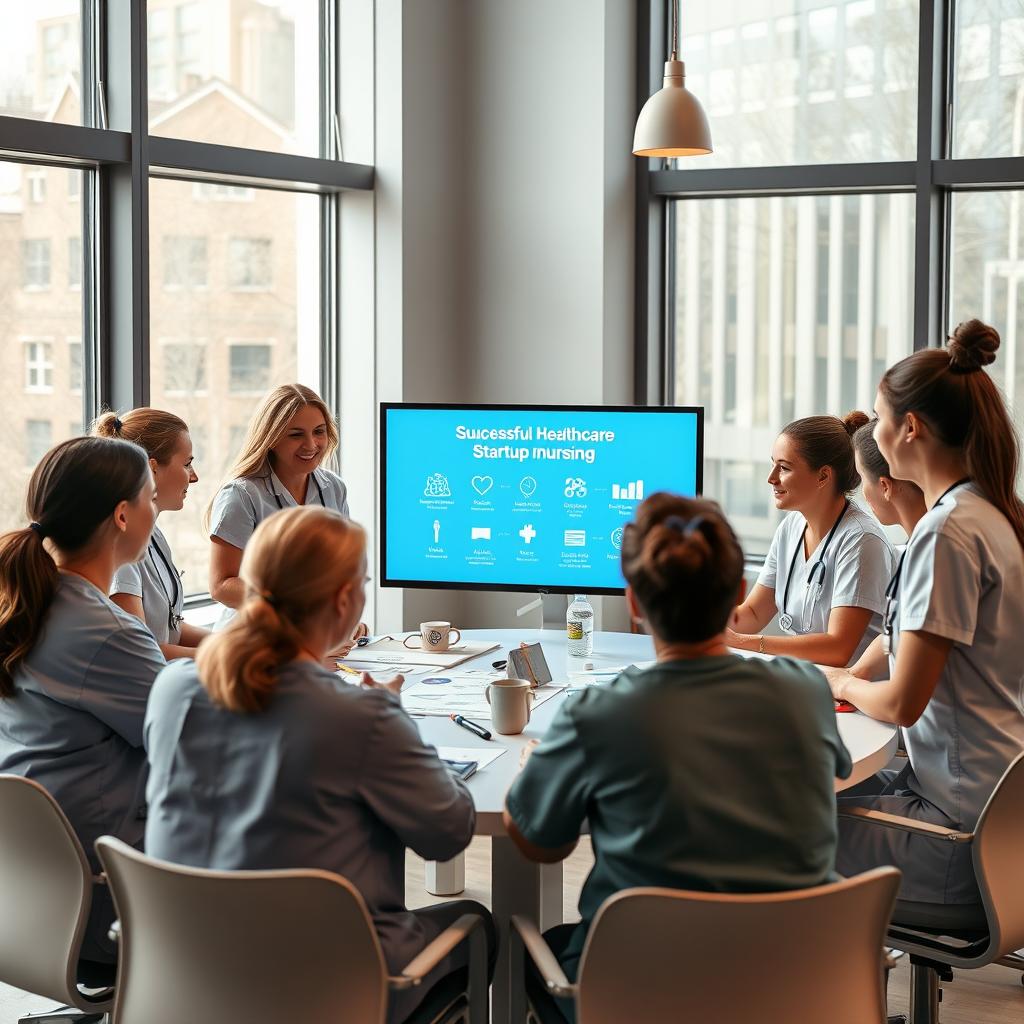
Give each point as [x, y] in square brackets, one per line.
[537, 602]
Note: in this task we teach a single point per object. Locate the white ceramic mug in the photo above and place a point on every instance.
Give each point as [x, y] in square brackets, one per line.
[510, 701]
[435, 637]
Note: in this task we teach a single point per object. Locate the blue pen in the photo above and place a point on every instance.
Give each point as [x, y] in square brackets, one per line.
[477, 730]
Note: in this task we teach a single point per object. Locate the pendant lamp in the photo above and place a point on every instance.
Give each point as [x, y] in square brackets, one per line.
[672, 122]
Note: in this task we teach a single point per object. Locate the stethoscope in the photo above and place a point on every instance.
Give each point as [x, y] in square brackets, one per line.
[174, 620]
[785, 619]
[277, 497]
[892, 600]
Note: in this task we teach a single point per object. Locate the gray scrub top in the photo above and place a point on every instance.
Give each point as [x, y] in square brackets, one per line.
[715, 774]
[329, 776]
[963, 579]
[858, 566]
[242, 504]
[156, 580]
[75, 722]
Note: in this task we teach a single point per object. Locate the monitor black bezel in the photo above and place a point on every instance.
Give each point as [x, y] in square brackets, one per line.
[385, 407]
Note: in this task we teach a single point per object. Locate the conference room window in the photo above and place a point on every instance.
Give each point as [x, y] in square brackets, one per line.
[75, 366]
[39, 366]
[35, 263]
[249, 264]
[36, 182]
[784, 307]
[74, 263]
[184, 260]
[40, 53]
[265, 62]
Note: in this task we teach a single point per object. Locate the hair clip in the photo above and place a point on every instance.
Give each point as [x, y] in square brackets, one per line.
[118, 424]
[683, 526]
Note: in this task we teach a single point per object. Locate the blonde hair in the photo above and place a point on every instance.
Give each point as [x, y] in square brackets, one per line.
[295, 563]
[267, 427]
[157, 431]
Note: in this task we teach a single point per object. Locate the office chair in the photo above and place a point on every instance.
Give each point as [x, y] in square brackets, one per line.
[270, 946]
[718, 958]
[938, 937]
[45, 896]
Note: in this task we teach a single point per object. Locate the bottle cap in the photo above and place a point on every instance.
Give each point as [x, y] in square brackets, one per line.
[588, 666]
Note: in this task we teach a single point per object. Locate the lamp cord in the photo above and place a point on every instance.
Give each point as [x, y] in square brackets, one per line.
[675, 29]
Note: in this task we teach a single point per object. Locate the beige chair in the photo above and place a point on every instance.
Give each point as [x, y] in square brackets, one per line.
[939, 938]
[276, 947]
[669, 955]
[45, 896]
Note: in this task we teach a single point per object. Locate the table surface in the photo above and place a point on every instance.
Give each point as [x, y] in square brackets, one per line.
[871, 744]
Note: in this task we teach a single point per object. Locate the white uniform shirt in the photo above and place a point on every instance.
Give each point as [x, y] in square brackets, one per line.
[242, 504]
[963, 579]
[156, 581]
[858, 565]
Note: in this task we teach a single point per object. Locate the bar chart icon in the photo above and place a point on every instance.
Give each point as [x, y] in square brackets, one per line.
[633, 491]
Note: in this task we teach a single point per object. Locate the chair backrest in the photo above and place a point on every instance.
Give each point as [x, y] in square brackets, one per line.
[214, 946]
[45, 892]
[999, 860]
[812, 954]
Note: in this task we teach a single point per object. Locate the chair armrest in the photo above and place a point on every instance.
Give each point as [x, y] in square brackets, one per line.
[921, 828]
[430, 956]
[540, 953]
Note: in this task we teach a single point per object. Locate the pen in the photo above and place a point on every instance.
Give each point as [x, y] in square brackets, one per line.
[472, 727]
[345, 668]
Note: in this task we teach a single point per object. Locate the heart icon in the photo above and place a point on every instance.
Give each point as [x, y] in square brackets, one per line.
[527, 485]
[482, 484]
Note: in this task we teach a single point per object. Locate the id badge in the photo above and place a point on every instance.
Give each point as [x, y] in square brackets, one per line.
[887, 644]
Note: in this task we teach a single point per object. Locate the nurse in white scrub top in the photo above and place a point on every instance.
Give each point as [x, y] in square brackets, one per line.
[76, 670]
[953, 625]
[152, 588]
[291, 435]
[829, 561]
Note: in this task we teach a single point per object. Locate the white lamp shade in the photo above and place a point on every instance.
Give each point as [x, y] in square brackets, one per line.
[672, 122]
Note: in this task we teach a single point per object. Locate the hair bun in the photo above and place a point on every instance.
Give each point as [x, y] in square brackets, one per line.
[853, 421]
[972, 345]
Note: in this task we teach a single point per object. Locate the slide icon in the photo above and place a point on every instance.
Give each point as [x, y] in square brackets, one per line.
[633, 491]
[575, 487]
[480, 533]
[482, 484]
[437, 487]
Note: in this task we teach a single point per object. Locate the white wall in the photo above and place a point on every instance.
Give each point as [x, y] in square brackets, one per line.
[504, 216]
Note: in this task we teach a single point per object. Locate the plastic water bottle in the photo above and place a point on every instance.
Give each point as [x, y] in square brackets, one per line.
[579, 627]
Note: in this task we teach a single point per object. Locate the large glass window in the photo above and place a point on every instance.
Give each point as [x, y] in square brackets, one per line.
[42, 399]
[218, 348]
[791, 83]
[989, 91]
[236, 74]
[41, 60]
[783, 307]
[987, 279]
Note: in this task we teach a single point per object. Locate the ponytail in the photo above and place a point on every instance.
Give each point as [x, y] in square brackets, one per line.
[827, 441]
[28, 583]
[72, 492]
[294, 565]
[963, 406]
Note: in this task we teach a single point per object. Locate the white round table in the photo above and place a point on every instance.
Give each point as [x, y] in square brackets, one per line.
[519, 886]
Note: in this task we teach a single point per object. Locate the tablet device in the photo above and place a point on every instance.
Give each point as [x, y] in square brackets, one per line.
[463, 769]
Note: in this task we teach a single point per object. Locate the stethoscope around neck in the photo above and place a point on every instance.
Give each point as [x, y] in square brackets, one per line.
[280, 503]
[174, 620]
[816, 570]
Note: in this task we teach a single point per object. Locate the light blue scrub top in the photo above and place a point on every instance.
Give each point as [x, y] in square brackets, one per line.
[858, 566]
[157, 583]
[329, 776]
[75, 722]
[963, 579]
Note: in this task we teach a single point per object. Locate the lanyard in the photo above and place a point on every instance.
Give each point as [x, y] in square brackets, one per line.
[173, 618]
[892, 590]
[786, 620]
[277, 497]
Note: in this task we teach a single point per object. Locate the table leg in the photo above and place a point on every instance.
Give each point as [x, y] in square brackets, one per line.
[445, 878]
[518, 887]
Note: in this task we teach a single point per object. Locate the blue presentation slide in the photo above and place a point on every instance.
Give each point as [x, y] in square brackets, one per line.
[525, 498]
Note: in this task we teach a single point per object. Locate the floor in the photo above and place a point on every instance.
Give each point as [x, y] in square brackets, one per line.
[993, 995]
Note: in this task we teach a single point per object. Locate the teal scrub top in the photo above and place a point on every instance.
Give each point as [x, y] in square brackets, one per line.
[715, 774]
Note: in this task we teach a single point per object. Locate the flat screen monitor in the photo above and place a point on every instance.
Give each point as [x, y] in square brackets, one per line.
[524, 497]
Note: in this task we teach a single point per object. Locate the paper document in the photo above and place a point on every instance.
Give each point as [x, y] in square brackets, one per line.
[450, 693]
[394, 652]
[482, 755]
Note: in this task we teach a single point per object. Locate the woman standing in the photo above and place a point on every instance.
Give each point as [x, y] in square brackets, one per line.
[829, 561]
[954, 619]
[291, 435]
[151, 588]
[262, 759]
[75, 669]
